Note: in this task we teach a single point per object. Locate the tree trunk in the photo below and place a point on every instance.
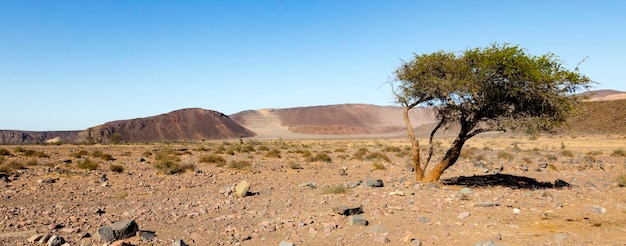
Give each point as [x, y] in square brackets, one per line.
[448, 160]
[419, 173]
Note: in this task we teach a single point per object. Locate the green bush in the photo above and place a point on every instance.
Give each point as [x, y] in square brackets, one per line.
[87, 164]
[218, 160]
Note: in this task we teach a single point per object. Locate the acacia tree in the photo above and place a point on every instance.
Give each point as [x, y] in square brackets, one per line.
[496, 88]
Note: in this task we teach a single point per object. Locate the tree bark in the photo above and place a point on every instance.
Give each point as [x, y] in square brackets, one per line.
[448, 160]
[419, 172]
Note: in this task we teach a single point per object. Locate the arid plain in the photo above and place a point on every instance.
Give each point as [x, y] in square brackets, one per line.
[563, 188]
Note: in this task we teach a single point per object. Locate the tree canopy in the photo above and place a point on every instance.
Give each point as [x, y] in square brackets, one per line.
[496, 88]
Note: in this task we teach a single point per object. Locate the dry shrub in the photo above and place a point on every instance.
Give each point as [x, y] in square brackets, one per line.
[4, 152]
[274, 153]
[336, 189]
[377, 156]
[102, 155]
[116, 168]
[33, 153]
[392, 149]
[239, 165]
[567, 153]
[468, 153]
[505, 155]
[319, 157]
[218, 160]
[619, 152]
[293, 165]
[79, 154]
[87, 164]
[621, 180]
[360, 154]
[11, 166]
[379, 166]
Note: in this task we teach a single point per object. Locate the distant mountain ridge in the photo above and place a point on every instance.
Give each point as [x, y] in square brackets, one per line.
[604, 112]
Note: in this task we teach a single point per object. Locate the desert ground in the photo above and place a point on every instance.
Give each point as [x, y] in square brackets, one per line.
[500, 192]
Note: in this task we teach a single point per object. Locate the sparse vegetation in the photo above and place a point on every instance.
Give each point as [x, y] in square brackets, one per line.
[619, 152]
[239, 165]
[33, 153]
[377, 156]
[293, 165]
[319, 157]
[360, 154]
[505, 155]
[336, 189]
[4, 152]
[168, 162]
[102, 155]
[116, 168]
[87, 164]
[567, 153]
[621, 180]
[379, 166]
[274, 153]
[11, 166]
[218, 160]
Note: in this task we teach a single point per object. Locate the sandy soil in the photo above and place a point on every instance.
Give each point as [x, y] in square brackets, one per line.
[195, 206]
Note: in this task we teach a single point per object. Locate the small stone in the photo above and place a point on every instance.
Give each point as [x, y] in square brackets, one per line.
[463, 215]
[242, 189]
[377, 229]
[598, 210]
[119, 230]
[56, 240]
[487, 204]
[179, 242]
[343, 172]
[35, 238]
[416, 242]
[308, 184]
[358, 220]
[45, 238]
[466, 191]
[485, 243]
[147, 235]
[560, 237]
[347, 211]
[517, 211]
[286, 243]
[382, 239]
[396, 193]
[559, 183]
[47, 181]
[374, 183]
[523, 168]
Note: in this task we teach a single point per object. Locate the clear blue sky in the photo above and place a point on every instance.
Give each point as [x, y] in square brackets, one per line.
[70, 65]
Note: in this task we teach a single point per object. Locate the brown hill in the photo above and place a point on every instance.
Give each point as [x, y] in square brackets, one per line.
[28, 137]
[192, 124]
[605, 95]
[343, 119]
[599, 117]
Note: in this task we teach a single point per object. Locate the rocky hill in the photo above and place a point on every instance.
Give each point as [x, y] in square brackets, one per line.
[27, 137]
[599, 117]
[343, 119]
[193, 124]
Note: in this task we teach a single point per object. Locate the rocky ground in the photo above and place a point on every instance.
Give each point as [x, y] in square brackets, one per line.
[294, 198]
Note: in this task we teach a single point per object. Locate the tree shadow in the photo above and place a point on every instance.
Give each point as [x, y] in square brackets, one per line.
[504, 180]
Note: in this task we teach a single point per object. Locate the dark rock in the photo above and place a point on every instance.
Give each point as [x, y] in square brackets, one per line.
[487, 204]
[119, 230]
[374, 183]
[347, 211]
[4, 177]
[56, 240]
[559, 183]
[358, 220]
[410, 167]
[99, 211]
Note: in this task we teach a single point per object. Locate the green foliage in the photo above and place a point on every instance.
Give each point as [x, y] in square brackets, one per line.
[218, 160]
[116, 168]
[239, 165]
[336, 189]
[495, 88]
[87, 164]
[274, 153]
